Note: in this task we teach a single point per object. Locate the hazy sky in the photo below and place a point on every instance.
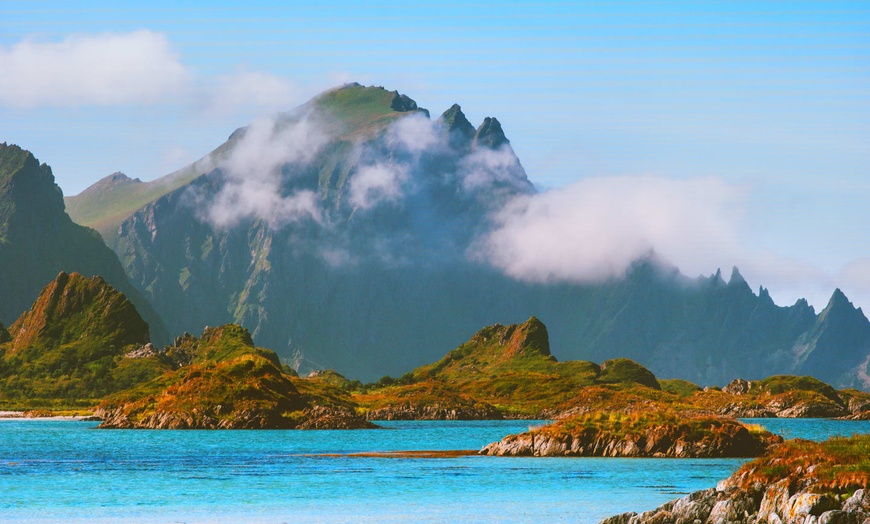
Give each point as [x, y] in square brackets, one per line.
[750, 117]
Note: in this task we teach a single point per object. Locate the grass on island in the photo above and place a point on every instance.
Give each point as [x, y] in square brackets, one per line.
[839, 465]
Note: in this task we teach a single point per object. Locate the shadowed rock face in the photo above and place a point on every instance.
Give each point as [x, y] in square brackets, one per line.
[38, 240]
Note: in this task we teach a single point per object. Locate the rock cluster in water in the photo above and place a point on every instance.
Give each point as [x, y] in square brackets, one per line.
[773, 504]
[728, 439]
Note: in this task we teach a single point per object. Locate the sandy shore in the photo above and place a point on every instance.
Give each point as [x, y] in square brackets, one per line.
[13, 415]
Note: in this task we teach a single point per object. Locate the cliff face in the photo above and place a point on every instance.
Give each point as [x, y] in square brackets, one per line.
[38, 240]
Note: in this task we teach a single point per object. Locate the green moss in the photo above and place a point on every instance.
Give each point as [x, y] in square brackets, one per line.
[682, 388]
[783, 383]
[623, 370]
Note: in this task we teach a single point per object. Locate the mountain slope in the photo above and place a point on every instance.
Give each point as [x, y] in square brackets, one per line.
[343, 234]
[69, 348]
[38, 240]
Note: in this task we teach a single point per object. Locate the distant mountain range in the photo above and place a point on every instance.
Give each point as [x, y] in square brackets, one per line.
[343, 235]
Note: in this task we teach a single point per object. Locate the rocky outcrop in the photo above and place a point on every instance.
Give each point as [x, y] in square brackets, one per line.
[785, 397]
[476, 411]
[719, 438]
[797, 482]
[316, 417]
[195, 419]
[321, 417]
[775, 503]
[221, 380]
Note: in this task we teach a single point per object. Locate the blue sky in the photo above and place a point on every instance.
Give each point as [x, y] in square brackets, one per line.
[770, 99]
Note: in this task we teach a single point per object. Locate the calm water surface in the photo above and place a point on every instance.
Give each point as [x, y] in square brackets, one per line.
[66, 471]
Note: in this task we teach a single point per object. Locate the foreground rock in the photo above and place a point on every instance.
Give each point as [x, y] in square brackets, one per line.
[655, 434]
[798, 482]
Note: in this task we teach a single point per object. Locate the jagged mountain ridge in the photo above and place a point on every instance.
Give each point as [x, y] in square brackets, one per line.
[375, 289]
[38, 240]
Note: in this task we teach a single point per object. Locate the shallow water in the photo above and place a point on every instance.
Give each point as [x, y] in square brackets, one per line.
[66, 471]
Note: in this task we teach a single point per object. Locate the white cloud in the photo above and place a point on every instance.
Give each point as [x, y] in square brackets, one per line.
[376, 184]
[256, 177]
[594, 229]
[415, 133]
[256, 92]
[485, 167]
[100, 69]
[854, 280]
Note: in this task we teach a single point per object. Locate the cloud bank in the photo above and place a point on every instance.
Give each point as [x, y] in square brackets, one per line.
[258, 172]
[135, 68]
[376, 184]
[100, 69]
[594, 229]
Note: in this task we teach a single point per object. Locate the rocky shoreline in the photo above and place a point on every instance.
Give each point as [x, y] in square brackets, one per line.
[315, 417]
[776, 503]
[797, 482]
[706, 437]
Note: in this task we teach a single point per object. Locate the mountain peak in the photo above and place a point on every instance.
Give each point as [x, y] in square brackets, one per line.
[28, 193]
[838, 302]
[403, 103]
[490, 134]
[456, 124]
[737, 281]
[72, 307]
[530, 337]
[764, 295]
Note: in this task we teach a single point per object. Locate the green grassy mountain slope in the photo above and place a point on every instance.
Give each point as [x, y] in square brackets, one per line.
[38, 240]
[353, 110]
[68, 349]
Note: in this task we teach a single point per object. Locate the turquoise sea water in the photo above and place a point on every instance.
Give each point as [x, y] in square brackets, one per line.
[65, 471]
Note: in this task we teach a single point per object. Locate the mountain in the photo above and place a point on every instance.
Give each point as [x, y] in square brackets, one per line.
[344, 234]
[69, 348]
[38, 240]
